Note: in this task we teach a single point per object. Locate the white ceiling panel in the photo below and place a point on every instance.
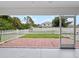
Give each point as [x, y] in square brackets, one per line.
[39, 7]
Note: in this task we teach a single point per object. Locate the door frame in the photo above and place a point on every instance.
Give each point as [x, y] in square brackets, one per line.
[74, 29]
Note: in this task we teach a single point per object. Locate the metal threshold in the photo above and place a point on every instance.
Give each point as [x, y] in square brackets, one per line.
[67, 46]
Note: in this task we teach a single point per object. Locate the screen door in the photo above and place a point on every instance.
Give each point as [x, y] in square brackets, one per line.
[67, 32]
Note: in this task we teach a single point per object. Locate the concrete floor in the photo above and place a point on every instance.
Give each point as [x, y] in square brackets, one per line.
[38, 53]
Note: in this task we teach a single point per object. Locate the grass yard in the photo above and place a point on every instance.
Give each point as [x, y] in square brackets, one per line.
[41, 36]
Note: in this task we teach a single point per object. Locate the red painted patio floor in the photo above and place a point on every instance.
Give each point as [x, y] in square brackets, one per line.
[34, 43]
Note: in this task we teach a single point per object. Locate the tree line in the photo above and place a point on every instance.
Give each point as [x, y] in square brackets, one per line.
[8, 22]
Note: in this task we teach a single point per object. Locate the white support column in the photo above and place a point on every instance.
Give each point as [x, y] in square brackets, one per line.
[74, 31]
[60, 29]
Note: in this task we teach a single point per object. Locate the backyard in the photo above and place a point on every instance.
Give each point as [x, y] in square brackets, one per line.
[37, 38]
[36, 31]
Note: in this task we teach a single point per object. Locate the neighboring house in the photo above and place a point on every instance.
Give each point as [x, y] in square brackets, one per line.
[71, 20]
[77, 26]
[46, 24]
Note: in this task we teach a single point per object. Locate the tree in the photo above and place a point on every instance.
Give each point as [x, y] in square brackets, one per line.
[64, 22]
[16, 22]
[6, 17]
[25, 26]
[55, 22]
[5, 25]
[30, 21]
[8, 23]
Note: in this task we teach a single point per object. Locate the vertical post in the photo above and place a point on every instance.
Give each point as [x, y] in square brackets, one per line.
[74, 31]
[60, 29]
[0, 34]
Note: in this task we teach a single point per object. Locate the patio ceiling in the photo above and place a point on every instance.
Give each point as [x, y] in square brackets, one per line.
[39, 8]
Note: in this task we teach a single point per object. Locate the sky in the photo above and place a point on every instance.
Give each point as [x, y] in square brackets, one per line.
[77, 19]
[38, 19]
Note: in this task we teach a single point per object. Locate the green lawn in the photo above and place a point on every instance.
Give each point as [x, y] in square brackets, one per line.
[41, 36]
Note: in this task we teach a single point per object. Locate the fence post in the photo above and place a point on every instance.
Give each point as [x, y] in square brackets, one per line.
[0, 34]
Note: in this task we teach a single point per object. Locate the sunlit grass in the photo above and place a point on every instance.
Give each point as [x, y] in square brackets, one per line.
[41, 36]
